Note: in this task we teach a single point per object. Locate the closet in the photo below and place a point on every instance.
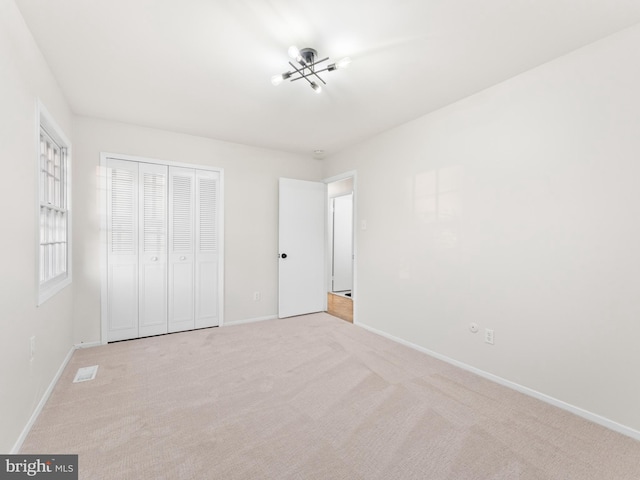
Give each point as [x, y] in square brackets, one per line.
[162, 244]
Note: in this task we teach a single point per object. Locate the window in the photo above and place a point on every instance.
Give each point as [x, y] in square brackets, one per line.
[54, 215]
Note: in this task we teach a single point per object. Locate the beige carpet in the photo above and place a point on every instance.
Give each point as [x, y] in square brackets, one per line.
[310, 397]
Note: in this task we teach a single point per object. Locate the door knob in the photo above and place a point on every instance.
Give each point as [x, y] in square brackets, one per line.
[183, 257]
[154, 259]
[284, 255]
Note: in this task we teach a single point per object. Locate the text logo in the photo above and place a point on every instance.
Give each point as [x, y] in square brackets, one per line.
[52, 467]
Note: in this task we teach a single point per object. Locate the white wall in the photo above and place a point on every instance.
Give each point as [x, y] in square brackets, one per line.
[251, 212]
[534, 230]
[24, 76]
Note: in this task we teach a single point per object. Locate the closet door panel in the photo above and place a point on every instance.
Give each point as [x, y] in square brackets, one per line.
[206, 248]
[182, 293]
[123, 301]
[207, 298]
[153, 249]
[153, 300]
[122, 250]
[181, 248]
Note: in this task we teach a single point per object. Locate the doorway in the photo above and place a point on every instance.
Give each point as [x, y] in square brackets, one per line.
[341, 246]
[307, 280]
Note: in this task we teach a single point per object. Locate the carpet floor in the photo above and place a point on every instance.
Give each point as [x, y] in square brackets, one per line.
[309, 397]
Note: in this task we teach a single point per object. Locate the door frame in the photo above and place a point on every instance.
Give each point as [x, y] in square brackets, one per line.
[102, 206]
[329, 249]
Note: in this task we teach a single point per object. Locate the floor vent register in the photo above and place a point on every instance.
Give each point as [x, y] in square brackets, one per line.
[85, 374]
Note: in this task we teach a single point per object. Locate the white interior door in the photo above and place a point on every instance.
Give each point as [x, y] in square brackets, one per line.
[301, 269]
[181, 248]
[206, 249]
[122, 245]
[193, 248]
[153, 249]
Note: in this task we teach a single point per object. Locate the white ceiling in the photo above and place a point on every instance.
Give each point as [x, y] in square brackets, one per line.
[203, 67]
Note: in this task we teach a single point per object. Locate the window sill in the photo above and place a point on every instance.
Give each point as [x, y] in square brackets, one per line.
[49, 291]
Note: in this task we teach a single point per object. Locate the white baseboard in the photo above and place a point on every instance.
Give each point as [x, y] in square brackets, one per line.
[600, 420]
[249, 320]
[34, 416]
[87, 345]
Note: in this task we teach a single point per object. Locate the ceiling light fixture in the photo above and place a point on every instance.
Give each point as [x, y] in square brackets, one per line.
[306, 68]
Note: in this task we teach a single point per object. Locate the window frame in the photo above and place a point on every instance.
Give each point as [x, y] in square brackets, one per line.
[47, 126]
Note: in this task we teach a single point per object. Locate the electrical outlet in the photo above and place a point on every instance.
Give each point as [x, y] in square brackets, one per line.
[32, 347]
[256, 296]
[488, 336]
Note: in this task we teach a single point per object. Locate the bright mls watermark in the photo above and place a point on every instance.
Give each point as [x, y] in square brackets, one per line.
[52, 467]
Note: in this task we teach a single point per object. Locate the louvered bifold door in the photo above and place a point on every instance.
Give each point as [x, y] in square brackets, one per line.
[206, 248]
[181, 248]
[122, 253]
[153, 249]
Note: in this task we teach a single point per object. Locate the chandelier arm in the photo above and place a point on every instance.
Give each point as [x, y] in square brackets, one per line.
[305, 64]
[327, 69]
[305, 76]
[318, 77]
[309, 66]
[302, 74]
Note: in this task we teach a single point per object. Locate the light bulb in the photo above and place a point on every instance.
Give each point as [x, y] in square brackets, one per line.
[293, 51]
[316, 88]
[278, 79]
[344, 63]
